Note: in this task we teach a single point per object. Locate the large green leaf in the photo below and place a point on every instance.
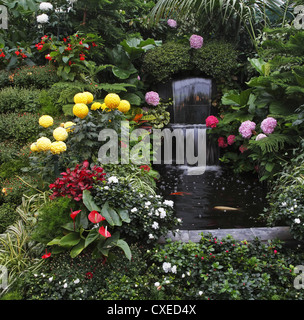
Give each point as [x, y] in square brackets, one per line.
[77, 249]
[111, 215]
[70, 240]
[124, 73]
[88, 201]
[125, 247]
[236, 99]
[124, 215]
[91, 237]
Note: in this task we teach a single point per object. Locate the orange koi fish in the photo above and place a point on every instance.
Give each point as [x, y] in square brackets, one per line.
[181, 193]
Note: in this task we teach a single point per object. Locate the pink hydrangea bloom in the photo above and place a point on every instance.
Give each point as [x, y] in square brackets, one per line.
[268, 125]
[221, 142]
[196, 42]
[260, 136]
[231, 139]
[172, 23]
[152, 98]
[211, 122]
[246, 129]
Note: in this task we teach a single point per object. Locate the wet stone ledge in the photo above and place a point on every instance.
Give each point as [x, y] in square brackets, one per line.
[249, 234]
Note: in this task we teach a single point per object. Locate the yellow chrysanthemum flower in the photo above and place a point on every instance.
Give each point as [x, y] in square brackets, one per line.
[69, 126]
[112, 100]
[43, 144]
[124, 106]
[58, 147]
[80, 110]
[89, 96]
[81, 98]
[46, 121]
[34, 147]
[95, 106]
[60, 134]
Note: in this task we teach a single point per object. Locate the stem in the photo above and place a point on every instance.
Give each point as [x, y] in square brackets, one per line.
[28, 184]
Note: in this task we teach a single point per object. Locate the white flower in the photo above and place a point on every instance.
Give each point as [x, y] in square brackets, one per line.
[162, 212]
[150, 214]
[134, 210]
[284, 204]
[113, 179]
[65, 285]
[76, 281]
[169, 203]
[183, 275]
[155, 225]
[297, 220]
[45, 6]
[42, 18]
[51, 279]
[179, 220]
[156, 284]
[167, 281]
[200, 293]
[106, 188]
[147, 204]
[167, 266]
[173, 269]
[151, 236]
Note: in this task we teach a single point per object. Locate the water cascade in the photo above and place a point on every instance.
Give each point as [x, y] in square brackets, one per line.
[215, 198]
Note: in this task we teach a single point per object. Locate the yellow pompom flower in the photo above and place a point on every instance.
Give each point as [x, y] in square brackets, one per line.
[34, 147]
[95, 106]
[89, 96]
[58, 147]
[46, 121]
[112, 100]
[81, 98]
[80, 110]
[60, 134]
[69, 126]
[43, 144]
[124, 106]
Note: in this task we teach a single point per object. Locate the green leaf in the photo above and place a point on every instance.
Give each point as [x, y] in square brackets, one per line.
[133, 98]
[124, 215]
[68, 109]
[54, 241]
[70, 240]
[236, 99]
[123, 73]
[77, 249]
[92, 236]
[65, 59]
[88, 201]
[269, 166]
[125, 247]
[111, 215]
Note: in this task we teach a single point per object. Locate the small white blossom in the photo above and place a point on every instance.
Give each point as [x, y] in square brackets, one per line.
[45, 6]
[173, 269]
[50, 279]
[151, 236]
[147, 204]
[113, 179]
[106, 188]
[42, 18]
[169, 203]
[284, 204]
[134, 210]
[76, 281]
[156, 284]
[155, 225]
[65, 285]
[200, 293]
[297, 220]
[167, 266]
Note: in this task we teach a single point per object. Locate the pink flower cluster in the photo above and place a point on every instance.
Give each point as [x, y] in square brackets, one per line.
[246, 129]
[221, 142]
[152, 98]
[211, 122]
[172, 23]
[268, 125]
[196, 42]
[260, 136]
[231, 139]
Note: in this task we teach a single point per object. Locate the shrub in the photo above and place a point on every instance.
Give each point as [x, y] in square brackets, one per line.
[51, 217]
[166, 61]
[39, 77]
[20, 127]
[19, 100]
[8, 216]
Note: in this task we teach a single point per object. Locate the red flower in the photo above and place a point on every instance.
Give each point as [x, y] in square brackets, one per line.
[221, 142]
[74, 214]
[46, 255]
[24, 56]
[231, 139]
[17, 52]
[211, 122]
[95, 217]
[145, 168]
[103, 231]
[48, 57]
[243, 148]
[89, 275]
[2, 55]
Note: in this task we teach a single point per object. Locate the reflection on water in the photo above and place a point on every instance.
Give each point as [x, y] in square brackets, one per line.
[196, 206]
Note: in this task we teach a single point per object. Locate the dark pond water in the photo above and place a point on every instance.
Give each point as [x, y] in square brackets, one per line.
[200, 200]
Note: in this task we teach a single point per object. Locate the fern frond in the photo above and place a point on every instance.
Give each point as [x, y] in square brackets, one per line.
[273, 143]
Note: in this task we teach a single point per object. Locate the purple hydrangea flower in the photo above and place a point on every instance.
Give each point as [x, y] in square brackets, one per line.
[268, 125]
[196, 42]
[246, 129]
[172, 23]
[260, 136]
[152, 98]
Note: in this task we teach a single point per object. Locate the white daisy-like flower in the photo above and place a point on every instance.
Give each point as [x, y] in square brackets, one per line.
[113, 179]
[45, 6]
[169, 203]
[42, 18]
[155, 225]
